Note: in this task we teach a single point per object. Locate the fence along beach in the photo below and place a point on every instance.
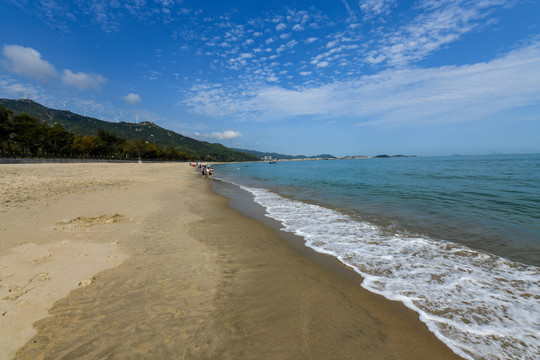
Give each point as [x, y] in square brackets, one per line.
[145, 261]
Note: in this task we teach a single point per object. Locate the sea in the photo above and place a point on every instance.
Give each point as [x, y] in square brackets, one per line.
[456, 239]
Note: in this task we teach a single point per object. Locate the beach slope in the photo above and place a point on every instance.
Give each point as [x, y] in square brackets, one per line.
[144, 261]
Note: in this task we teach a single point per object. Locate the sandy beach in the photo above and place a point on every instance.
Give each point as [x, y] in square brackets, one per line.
[145, 261]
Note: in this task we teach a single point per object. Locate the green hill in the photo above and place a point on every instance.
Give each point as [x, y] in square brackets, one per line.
[148, 131]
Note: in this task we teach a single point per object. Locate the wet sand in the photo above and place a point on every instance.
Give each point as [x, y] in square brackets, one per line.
[144, 261]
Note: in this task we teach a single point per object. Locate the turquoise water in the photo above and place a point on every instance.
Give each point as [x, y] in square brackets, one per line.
[457, 239]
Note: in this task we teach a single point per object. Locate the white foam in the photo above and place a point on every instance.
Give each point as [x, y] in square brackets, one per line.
[481, 305]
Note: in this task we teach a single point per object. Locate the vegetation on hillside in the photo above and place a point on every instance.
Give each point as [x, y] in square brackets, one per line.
[26, 136]
[145, 138]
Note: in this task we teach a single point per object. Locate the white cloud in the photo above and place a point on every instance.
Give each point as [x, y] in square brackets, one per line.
[82, 81]
[322, 64]
[394, 96]
[225, 135]
[11, 88]
[373, 8]
[132, 99]
[28, 62]
[440, 23]
[332, 44]
[292, 44]
[352, 15]
[281, 26]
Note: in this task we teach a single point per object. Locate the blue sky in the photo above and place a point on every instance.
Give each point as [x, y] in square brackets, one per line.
[298, 77]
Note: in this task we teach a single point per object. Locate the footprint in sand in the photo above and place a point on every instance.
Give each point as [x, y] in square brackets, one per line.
[16, 292]
[42, 259]
[81, 222]
[40, 277]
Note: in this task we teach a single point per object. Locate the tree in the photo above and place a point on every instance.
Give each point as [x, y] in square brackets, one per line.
[59, 140]
[84, 145]
[6, 129]
[172, 154]
[29, 133]
[135, 149]
[112, 144]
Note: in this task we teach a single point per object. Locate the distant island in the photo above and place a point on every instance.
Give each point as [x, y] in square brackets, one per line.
[392, 156]
[268, 156]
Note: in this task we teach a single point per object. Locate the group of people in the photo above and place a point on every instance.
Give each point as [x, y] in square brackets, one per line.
[206, 170]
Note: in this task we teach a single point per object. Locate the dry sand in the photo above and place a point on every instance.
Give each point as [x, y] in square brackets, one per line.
[144, 261]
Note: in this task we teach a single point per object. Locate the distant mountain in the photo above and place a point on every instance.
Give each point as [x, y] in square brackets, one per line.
[392, 156]
[323, 156]
[146, 130]
[261, 155]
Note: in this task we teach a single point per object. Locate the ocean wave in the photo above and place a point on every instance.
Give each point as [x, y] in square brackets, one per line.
[481, 305]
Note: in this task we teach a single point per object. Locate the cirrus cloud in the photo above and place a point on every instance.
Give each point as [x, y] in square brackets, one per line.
[446, 94]
[373, 8]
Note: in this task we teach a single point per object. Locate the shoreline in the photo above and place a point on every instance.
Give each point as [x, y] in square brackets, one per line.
[243, 202]
[199, 280]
